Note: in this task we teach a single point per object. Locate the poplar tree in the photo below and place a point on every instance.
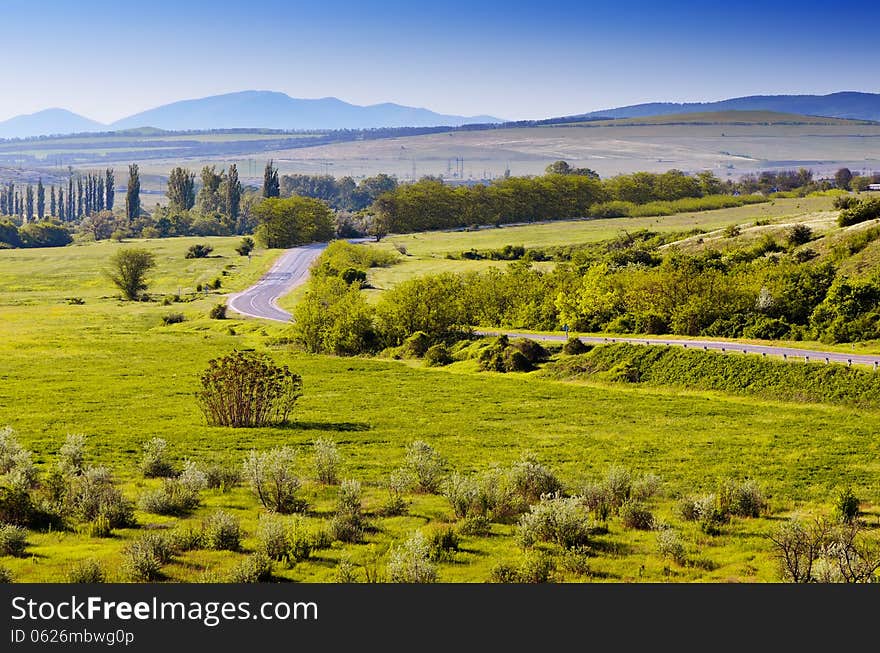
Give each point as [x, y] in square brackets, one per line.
[62, 213]
[79, 197]
[271, 186]
[99, 194]
[29, 203]
[108, 188]
[52, 201]
[41, 199]
[133, 194]
[233, 193]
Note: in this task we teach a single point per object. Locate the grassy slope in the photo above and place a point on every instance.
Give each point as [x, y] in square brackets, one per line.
[109, 370]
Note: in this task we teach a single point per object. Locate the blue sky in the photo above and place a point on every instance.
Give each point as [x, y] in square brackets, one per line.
[107, 59]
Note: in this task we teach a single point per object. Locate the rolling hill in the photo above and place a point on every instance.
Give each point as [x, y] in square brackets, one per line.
[46, 122]
[847, 104]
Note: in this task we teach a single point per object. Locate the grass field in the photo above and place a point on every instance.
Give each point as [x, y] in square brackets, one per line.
[426, 252]
[110, 370]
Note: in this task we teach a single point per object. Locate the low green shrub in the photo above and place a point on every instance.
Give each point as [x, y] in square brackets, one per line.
[87, 571]
[636, 515]
[256, 568]
[173, 318]
[411, 562]
[155, 462]
[562, 521]
[13, 540]
[222, 531]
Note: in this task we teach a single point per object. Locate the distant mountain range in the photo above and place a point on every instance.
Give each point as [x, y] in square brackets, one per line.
[272, 110]
[847, 104]
[246, 109]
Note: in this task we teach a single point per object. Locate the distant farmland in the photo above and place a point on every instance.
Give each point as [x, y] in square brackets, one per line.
[730, 143]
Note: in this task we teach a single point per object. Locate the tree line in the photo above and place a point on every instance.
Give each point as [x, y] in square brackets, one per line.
[82, 196]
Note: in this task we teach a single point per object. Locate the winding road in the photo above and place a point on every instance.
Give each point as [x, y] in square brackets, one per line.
[292, 269]
[727, 347]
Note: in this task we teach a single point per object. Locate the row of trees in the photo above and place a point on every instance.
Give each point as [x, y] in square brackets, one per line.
[563, 192]
[343, 194]
[85, 195]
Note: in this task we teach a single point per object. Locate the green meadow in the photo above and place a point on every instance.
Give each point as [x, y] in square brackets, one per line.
[112, 370]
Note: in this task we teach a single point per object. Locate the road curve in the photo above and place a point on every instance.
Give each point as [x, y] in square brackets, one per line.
[290, 270]
[787, 353]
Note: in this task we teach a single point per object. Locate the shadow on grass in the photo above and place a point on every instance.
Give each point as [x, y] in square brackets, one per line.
[326, 426]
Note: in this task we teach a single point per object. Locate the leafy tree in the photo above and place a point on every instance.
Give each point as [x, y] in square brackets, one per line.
[843, 178]
[181, 189]
[293, 221]
[128, 270]
[99, 226]
[209, 194]
[246, 246]
[271, 186]
[133, 194]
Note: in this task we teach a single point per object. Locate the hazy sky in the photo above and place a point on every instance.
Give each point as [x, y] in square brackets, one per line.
[107, 59]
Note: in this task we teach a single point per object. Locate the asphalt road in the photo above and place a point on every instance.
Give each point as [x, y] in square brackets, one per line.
[290, 270]
[787, 353]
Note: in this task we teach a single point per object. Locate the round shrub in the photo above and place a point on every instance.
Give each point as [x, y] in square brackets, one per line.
[670, 545]
[636, 515]
[222, 477]
[256, 568]
[437, 356]
[562, 521]
[143, 558]
[218, 312]
[247, 389]
[536, 567]
[533, 351]
[575, 347]
[425, 466]
[222, 532]
[173, 318]
[155, 461]
[273, 479]
[5, 575]
[198, 251]
[416, 345]
[411, 562]
[13, 540]
[531, 480]
[87, 571]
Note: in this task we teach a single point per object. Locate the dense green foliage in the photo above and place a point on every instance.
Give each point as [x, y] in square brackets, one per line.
[293, 221]
[859, 211]
[47, 233]
[430, 204]
[343, 194]
[746, 374]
